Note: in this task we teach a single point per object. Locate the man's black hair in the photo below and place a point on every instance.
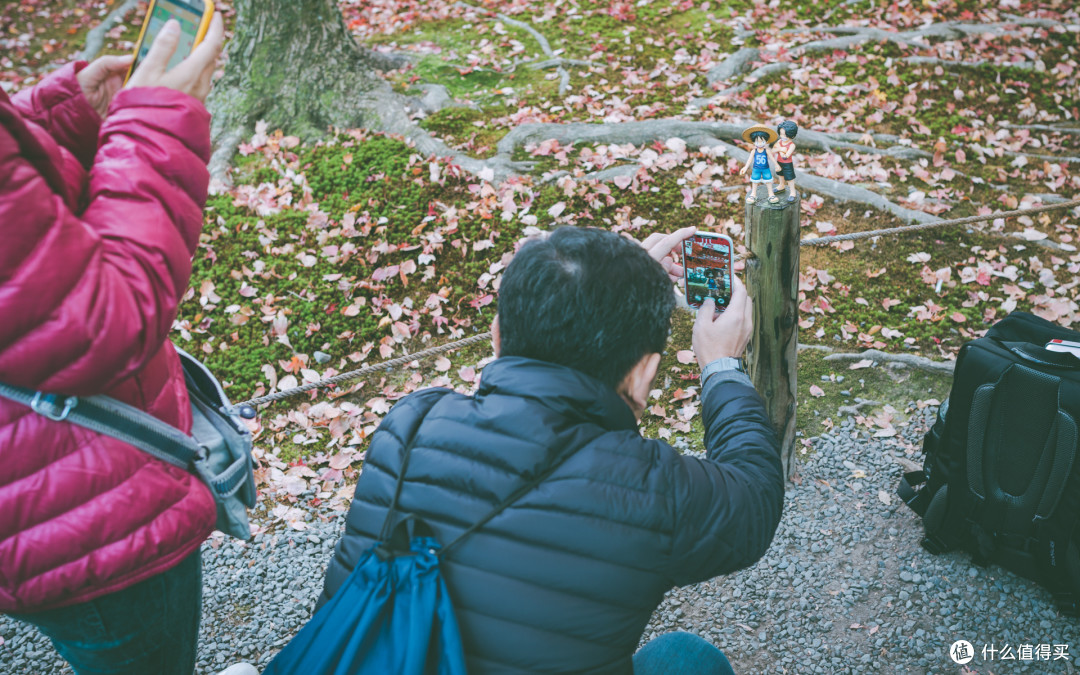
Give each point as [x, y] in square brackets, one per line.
[758, 134]
[585, 298]
[789, 127]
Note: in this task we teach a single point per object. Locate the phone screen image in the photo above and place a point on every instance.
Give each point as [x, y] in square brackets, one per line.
[190, 17]
[707, 265]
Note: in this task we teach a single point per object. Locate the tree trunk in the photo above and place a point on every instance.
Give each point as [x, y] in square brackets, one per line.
[294, 64]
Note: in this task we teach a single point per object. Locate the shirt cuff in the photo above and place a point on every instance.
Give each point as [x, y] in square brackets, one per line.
[723, 376]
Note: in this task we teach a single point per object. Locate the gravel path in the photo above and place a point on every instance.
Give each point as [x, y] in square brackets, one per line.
[845, 587]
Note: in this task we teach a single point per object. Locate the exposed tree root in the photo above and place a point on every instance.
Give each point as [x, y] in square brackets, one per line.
[845, 192]
[918, 38]
[946, 63]
[1053, 159]
[817, 348]
[545, 46]
[910, 360]
[558, 62]
[853, 410]
[1049, 244]
[376, 106]
[849, 36]
[696, 135]
[95, 38]
[735, 64]
[222, 157]
[1043, 127]
[393, 114]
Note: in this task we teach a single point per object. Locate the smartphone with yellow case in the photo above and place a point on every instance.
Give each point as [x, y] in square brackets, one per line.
[194, 17]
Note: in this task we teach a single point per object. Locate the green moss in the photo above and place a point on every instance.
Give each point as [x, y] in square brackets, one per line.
[456, 127]
[337, 170]
[287, 263]
[886, 384]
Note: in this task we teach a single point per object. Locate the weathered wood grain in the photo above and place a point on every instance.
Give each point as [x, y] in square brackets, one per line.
[772, 280]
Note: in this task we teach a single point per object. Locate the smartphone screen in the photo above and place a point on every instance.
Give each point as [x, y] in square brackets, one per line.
[707, 269]
[189, 14]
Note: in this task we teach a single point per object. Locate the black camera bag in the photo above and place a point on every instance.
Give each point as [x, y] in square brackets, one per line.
[1000, 477]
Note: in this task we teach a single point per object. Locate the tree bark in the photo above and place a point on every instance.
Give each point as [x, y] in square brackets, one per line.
[294, 64]
[772, 280]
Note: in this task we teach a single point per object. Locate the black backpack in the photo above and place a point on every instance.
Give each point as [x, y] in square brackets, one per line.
[1000, 478]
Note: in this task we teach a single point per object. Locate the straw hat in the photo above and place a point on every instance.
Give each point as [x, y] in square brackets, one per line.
[760, 127]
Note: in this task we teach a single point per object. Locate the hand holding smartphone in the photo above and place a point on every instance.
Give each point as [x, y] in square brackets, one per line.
[194, 75]
[194, 18]
[707, 269]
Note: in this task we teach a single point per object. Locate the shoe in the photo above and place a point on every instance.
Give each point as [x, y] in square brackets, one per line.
[791, 196]
[240, 669]
[774, 199]
[750, 199]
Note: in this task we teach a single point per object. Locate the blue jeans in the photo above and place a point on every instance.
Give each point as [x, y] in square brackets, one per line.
[680, 654]
[151, 627]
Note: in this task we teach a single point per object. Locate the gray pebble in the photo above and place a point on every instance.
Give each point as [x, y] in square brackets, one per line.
[838, 558]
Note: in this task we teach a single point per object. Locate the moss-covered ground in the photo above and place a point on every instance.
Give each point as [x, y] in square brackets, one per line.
[329, 256]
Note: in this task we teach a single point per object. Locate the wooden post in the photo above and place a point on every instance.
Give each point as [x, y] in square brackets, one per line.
[772, 280]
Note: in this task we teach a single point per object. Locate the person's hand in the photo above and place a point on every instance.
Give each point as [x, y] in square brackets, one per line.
[102, 79]
[717, 336]
[742, 171]
[660, 246]
[192, 75]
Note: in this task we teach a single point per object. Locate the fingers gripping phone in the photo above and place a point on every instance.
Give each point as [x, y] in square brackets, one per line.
[707, 265]
[194, 17]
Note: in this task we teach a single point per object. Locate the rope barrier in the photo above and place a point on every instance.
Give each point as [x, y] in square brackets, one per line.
[821, 241]
[465, 342]
[360, 372]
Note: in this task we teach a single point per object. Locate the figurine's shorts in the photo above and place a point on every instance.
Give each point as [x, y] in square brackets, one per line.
[761, 174]
[787, 170]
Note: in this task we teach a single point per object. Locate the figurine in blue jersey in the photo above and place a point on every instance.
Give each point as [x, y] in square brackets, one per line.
[760, 161]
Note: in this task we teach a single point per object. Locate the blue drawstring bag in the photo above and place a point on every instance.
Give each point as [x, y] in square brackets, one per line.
[392, 615]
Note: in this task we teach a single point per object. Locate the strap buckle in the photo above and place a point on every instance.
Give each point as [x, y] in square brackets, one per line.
[45, 405]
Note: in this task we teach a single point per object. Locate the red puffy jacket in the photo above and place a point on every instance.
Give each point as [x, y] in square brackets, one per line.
[92, 268]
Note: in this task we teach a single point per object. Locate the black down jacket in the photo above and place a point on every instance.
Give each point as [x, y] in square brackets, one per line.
[566, 580]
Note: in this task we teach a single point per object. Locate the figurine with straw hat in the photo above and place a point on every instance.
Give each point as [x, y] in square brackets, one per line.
[761, 160]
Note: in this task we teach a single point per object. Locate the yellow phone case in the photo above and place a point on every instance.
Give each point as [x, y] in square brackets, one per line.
[204, 25]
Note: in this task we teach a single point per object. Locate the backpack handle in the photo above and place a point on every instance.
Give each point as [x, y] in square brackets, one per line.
[1043, 357]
